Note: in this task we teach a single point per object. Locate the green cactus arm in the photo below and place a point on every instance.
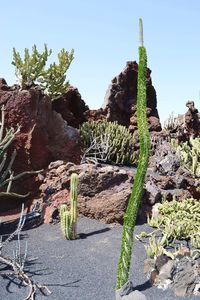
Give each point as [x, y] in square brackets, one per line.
[137, 189]
[73, 196]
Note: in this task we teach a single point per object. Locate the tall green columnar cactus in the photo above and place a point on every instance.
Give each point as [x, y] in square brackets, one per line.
[68, 219]
[137, 189]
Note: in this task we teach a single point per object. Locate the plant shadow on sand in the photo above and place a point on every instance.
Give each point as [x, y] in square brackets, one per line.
[85, 235]
[12, 280]
[144, 286]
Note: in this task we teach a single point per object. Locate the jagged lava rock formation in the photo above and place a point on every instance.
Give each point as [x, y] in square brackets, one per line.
[120, 100]
[71, 107]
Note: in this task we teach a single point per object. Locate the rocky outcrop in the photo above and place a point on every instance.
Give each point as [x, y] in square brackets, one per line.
[181, 274]
[184, 126]
[121, 96]
[44, 136]
[104, 190]
[120, 101]
[71, 107]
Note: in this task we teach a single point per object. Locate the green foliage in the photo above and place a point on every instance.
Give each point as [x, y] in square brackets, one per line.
[178, 220]
[31, 69]
[137, 189]
[54, 79]
[68, 219]
[108, 142]
[175, 221]
[189, 153]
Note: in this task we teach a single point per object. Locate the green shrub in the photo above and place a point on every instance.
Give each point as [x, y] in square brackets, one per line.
[31, 70]
[108, 142]
[53, 79]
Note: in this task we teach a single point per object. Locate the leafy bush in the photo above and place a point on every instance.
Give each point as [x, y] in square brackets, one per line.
[108, 142]
[31, 69]
[53, 79]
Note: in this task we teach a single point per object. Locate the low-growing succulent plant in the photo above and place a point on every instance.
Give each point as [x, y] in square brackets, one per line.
[108, 142]
[68, 218]
[175, 221]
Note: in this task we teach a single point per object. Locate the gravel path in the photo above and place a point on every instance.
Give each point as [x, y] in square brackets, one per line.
[84, 269]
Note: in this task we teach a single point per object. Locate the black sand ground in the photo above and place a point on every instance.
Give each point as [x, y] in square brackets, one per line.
[83, 269]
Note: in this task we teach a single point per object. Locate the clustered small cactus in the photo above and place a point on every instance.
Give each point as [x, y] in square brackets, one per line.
[189, 153]
[108, 142]
[68, 219]
[32, 70]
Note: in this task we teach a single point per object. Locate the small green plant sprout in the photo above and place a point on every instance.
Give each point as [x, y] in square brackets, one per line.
[155, 248]
[137, 189]
[68, 219]
[31, 67]
[54, 78]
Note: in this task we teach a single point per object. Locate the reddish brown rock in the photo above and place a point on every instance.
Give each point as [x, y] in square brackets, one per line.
[44, 136]
[103, 191]
[71, 107]
[61, 197]
[96, 114]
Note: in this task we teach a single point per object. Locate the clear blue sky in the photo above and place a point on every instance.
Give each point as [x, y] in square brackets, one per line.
[104, 35]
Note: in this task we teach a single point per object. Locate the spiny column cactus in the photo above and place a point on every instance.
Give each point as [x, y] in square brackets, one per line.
[68, 219]
[137, 189]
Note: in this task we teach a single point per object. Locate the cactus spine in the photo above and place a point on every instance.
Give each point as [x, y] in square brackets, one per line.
[137, 189]
[68, 219]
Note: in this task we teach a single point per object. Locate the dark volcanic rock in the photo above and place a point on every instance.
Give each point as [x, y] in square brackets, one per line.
[121, 96]
[184, 126]
[71, 107]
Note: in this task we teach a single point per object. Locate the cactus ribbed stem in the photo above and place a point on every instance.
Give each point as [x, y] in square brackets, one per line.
[137, 189]
[73, 196]
[68, 219]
